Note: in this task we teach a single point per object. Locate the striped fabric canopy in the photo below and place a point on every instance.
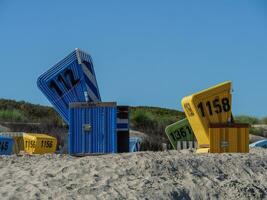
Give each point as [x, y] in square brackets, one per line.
[70, 80]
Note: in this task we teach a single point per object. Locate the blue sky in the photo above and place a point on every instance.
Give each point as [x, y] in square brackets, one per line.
[145, 52]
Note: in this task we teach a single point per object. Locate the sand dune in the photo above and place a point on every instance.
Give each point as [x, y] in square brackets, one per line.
[152, 175]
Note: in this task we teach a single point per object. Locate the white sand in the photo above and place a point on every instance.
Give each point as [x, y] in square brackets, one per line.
[160, 175]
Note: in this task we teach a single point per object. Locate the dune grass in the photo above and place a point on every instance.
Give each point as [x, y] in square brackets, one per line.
[12, 115]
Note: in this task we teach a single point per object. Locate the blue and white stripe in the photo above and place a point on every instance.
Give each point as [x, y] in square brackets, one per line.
[86, 63]
[81, 65]
[122, 124]
[123, 118]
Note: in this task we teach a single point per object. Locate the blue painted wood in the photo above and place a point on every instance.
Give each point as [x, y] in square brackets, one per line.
[6, 145]
[92, 128]
[134, 144]
[70, 80]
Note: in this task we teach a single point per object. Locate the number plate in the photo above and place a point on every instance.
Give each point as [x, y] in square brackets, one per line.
[6, 145]
[71, 80]
[179, 131]
[39, 143]
[213, 105]
[86, 127]
[46, 144]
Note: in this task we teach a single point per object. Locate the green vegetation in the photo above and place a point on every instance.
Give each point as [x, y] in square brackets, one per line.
[257, 131]
[12, 115]
[264, 120]
[153, 121]
[13, 111]
[260, 131]
[143, 118]
[250, 119]
[247, 119]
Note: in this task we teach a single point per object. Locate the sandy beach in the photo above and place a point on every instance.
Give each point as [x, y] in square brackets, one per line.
[143, 175]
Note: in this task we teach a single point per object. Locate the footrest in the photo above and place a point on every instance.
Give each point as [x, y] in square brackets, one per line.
[229, 138]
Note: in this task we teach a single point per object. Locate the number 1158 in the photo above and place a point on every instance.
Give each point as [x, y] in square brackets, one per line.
[216, 106]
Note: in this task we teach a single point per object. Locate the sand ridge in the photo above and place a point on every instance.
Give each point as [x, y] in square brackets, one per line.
[143, 175]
